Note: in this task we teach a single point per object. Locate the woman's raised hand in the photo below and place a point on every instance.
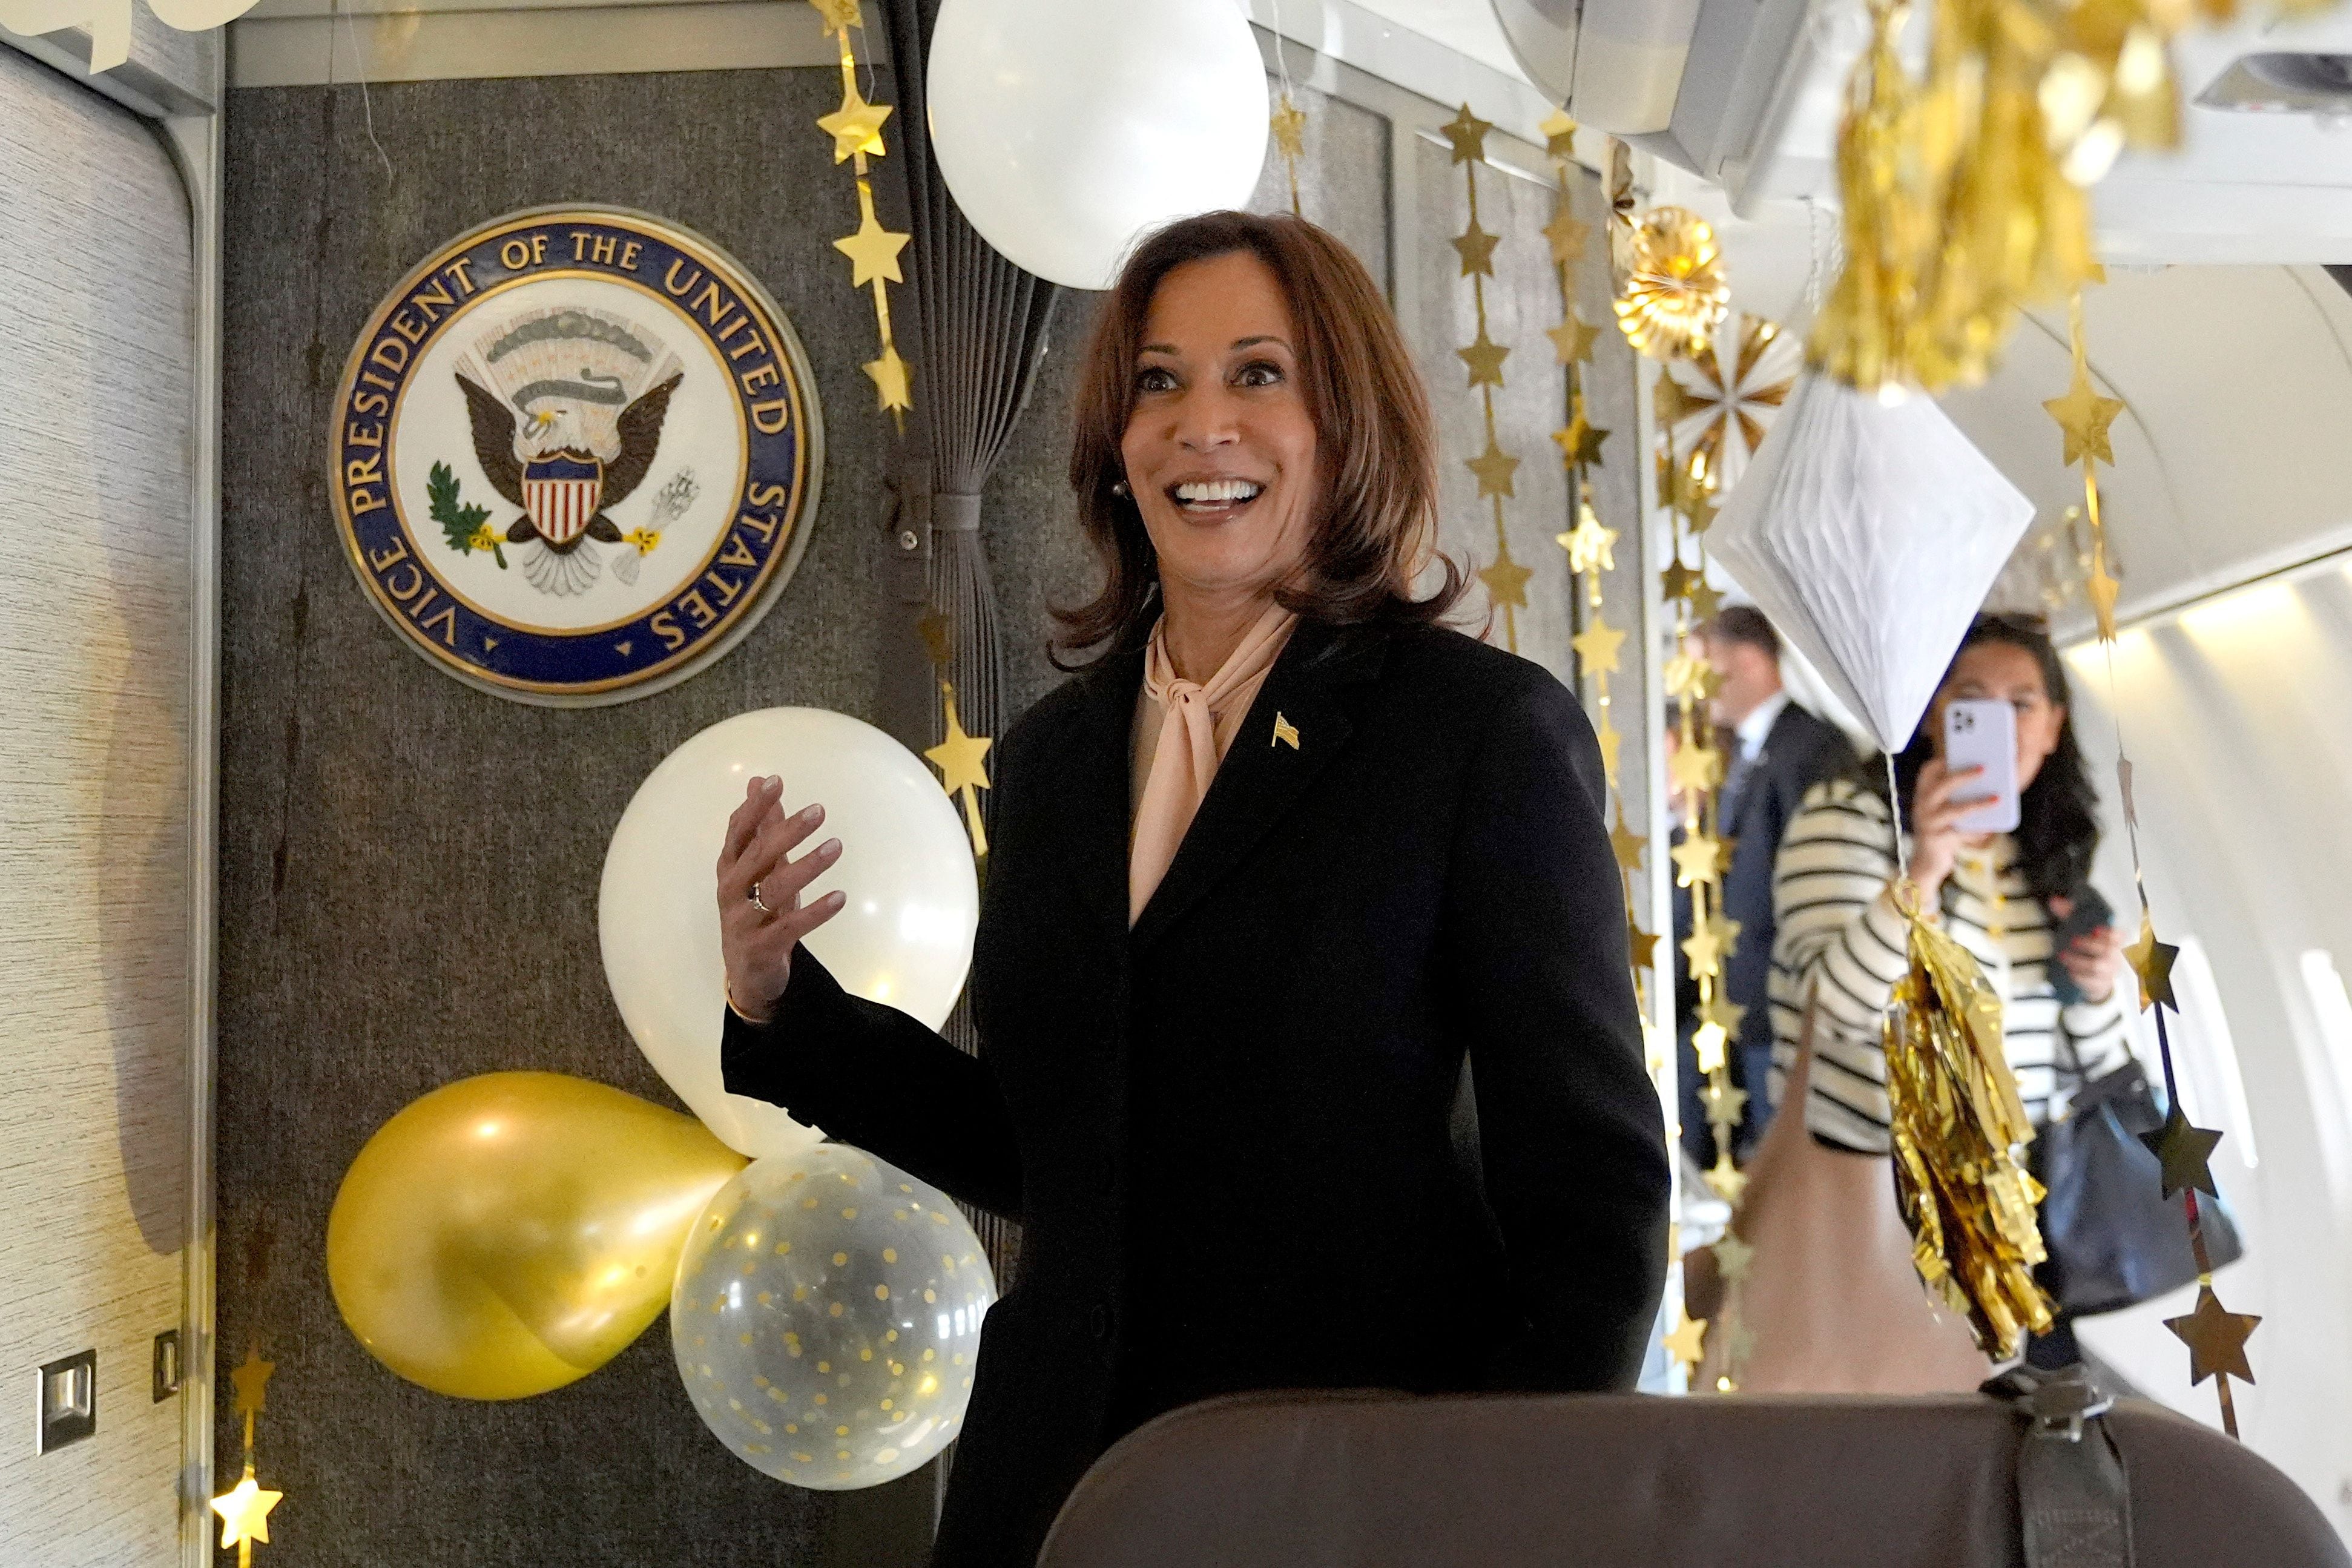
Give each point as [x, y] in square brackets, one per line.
[2095, 959]
[1938, 802]
[760, 916]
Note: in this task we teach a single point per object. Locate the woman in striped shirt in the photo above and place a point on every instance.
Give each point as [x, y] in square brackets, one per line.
[2000, 896]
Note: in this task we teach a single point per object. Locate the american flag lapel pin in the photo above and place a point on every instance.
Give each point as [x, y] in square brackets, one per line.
[1286, 734]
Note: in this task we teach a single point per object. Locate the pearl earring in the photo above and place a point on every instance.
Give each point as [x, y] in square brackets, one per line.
[1119, 487]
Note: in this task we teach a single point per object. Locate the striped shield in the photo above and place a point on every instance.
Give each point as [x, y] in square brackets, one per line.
[562, 493]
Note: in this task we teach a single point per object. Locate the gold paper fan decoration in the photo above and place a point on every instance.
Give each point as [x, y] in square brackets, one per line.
[1720, 400]
[1674, 292]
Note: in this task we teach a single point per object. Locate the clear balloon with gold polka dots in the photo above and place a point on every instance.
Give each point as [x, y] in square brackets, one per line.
[826, 1318]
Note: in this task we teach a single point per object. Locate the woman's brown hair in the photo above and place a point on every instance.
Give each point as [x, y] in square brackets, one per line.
[1376, 446]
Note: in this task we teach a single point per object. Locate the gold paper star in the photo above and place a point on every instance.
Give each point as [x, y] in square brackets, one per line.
[1613, 743]
[1726, 932]
[1571, 341]
[1567, 235]
[891, 376]
[856, 127]
[1596, 646]
[2102, 590]
[252, 1381]
[1644, 945]
[1708, 1042]
[961, 759]
[1476, 248]
[1706, 963]
[1733, 1258]
[1559, 134]
[1721, 1009]
[1698, 510]
[2152, 961]
[1687, 1344]
[1289, 125]
[2185, 1153]
[1507, 580]
[244, 1511]
[2216, 1338]
[873, 250]
[1696, 768]
[1725, 1104]
[2084, 417]
[1590, 546]
[1677, 580]
[1484, 359]
[840, 16]
[1705, 600]
[1580, 441]
[1627, 844]
[1728, 1182]
[1468, 134]
[1691, 678]
[1494, 468]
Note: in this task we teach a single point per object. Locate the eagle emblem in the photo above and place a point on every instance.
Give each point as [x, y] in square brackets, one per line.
[570, 431]
[575, 453]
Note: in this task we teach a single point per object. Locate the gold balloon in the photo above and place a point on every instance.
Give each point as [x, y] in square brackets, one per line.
[507, 1234]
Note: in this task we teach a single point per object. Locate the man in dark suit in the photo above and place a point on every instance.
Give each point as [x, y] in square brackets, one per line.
[1778, 751]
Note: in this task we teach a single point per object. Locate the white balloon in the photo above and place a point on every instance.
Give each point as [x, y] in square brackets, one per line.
[904, 936]
[825, 1318]
[1067, 129]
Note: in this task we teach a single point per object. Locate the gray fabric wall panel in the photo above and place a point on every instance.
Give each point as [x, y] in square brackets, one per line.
[409, 869]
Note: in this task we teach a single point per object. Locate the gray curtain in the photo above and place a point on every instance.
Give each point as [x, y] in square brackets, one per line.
[979, 332]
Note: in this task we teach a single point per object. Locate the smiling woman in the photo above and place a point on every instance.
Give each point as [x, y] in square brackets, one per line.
[1262, 879]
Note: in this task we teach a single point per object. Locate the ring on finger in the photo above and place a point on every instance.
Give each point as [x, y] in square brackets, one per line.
[760, 902]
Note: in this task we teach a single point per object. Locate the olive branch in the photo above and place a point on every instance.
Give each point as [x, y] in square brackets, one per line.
[464, 525]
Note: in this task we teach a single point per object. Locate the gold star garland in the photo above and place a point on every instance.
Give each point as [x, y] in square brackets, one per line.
[1289, 127]
[2215, 1336]
[961, 759]
[1592, 550]
[245, 1508]
[1505, 580]
[856, 131]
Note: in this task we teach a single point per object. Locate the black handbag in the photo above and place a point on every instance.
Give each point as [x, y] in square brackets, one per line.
[2114, 1240]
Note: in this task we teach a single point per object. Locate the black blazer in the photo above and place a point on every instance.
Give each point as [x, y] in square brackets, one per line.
[1800, 751]
[1226, 1133]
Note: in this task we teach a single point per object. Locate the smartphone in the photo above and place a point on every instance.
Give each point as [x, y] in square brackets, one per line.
[1981, 733]
[2091, 911]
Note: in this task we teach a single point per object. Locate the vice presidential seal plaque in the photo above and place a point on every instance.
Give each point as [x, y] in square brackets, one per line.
[575, 454]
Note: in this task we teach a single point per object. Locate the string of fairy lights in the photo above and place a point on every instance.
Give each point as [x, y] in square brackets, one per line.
[2216, 1337]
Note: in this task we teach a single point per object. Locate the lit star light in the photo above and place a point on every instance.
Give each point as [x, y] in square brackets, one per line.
[1705, 955]
[244, 1511]
[1590, 546]
[1697, 859]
